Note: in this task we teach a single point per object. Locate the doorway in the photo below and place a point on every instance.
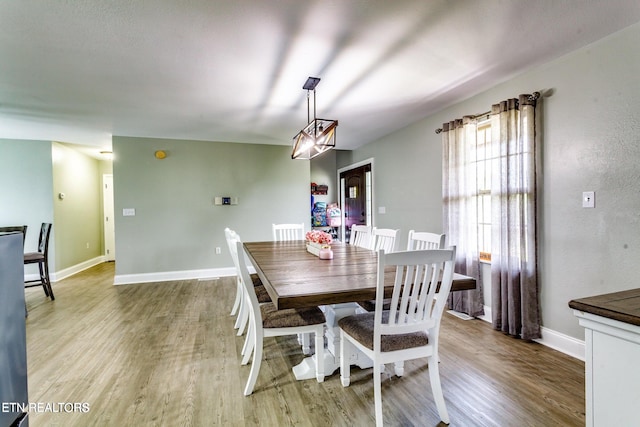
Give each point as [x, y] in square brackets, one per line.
[356, 194]
[109, 219]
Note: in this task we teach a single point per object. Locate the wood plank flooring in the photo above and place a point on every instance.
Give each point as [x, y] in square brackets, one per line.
[165, 354]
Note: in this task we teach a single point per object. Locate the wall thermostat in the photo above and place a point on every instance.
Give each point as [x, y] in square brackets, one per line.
[225, 200]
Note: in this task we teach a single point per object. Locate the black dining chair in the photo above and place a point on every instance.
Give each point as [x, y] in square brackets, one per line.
[41, 257]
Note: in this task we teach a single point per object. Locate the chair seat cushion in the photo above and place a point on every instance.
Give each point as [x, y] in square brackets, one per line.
[290, 317]
[262, 294]
[261, 291]
[360, 327]
[256, 280]
[370, 305]
[32, 257]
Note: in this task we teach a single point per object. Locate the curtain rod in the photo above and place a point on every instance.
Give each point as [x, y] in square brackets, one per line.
[534, 96]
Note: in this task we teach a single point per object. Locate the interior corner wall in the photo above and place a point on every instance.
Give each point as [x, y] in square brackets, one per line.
[590, 142]
[26, 190]
[323, 172]
[77, 215]
[176, 226]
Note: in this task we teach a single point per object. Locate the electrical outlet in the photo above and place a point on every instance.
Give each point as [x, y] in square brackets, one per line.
[589, 199]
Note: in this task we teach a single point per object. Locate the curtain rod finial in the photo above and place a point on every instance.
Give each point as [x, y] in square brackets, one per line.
[439, 130]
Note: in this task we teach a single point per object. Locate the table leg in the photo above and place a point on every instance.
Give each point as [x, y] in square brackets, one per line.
[306, 369]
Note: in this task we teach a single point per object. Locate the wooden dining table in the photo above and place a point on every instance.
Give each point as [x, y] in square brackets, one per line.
[295, 278]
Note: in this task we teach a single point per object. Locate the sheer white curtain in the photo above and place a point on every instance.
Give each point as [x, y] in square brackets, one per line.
[460, 208]
[514, 289]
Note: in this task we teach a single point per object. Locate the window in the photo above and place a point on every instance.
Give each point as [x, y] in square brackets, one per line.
[483, 196]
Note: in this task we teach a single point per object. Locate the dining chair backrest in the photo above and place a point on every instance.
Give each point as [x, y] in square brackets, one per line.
[230, 235]
[360, 235]
[41, 257]
[420, 240]
[43, 240]
[383, 239]
[13, 228]
[421, 285]
[232, 241]
[245, 278]
[285, 232]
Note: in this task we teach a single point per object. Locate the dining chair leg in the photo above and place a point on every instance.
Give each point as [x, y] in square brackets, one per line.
[44, 279]
[319, 354]
[255, 364]
[436, 389]
[398, 367]
[345, 360]
[306, 343]
[377, 392]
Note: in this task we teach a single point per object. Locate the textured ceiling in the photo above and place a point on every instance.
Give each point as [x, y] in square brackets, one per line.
[232, 70]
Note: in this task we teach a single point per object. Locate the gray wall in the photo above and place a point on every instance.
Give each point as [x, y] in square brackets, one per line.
[590, 140]
[26, 190]
[176, 226]
[32, 173]
[77, 217]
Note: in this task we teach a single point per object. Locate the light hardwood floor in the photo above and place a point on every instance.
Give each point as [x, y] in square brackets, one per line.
[165, 354]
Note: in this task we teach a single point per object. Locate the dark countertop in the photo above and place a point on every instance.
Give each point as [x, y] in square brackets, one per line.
[622, 306]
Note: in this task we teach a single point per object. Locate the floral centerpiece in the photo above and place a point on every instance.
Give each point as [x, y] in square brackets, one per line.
[317, 240]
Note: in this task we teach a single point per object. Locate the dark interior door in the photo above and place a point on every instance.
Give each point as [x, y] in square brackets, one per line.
[355, 197]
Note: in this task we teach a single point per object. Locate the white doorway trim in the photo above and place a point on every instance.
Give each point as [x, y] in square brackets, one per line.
[369, 196]
[108, 218]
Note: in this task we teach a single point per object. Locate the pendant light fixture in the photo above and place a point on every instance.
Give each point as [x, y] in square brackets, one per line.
[319, 135]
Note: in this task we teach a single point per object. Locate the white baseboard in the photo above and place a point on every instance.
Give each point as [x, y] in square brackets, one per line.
[128, 279]
[553, 339]
[70, 271]
[564, 343]
[59, 275]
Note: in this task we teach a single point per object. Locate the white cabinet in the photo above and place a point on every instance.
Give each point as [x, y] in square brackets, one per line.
[612, 367]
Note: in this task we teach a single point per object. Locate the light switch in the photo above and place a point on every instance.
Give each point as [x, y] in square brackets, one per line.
[588, 199]
[128, 212]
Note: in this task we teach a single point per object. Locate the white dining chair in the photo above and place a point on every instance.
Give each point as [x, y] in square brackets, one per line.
[360, 236]
[410, 328]
[420, 240]
[229, 234]
[383, 239]
[286, 232]
[267, 321]
[239, 306]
